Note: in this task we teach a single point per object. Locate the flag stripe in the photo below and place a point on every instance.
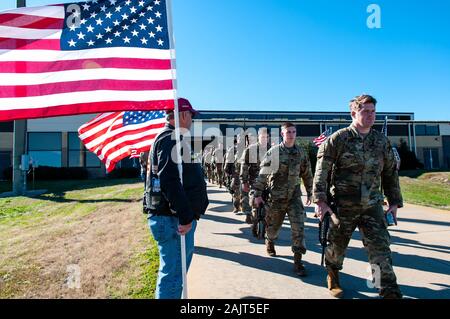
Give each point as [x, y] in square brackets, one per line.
[30, 21]
[49, 56]
[112, 145]
[120, 63]
[55, 11]
[22, 44]
[21, 33]
[35, 102]
[84, 86]
[119, 131]
[87, 74]
[83, 108]
[120, 152]
[98, 124]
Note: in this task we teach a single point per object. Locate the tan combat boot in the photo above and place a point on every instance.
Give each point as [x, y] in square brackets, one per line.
[270, 248]
[333, 283]
[299, 268]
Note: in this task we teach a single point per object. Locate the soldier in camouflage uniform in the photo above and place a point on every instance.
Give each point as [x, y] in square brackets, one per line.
[281, 170]
[207, 162]
[218, 156]
[233, 169]
[249, 172]
[359, 158]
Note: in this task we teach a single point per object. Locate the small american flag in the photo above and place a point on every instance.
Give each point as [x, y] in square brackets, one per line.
[322, 137]
[86, 57]
[114, 136]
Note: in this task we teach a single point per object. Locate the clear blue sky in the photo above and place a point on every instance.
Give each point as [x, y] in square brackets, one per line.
[311, 55]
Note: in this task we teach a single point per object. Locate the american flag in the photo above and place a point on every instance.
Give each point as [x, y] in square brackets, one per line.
[322, 137]
[114, 136]
[85, 57]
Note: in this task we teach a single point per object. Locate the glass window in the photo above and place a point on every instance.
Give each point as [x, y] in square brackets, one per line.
[420, 130]
[92, 160]
[397, 130]
[46, 158]
[427, 130]
[44, 141]
[308, 130]
[45, 148]
[74, 142]
[6, 126]
[433, 130]
[75, 154]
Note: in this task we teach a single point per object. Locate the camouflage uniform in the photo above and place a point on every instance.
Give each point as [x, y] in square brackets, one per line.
[250, 163]
[283, 182]
[232, 169]
[357, 166]
[218, 157]
[207, 157]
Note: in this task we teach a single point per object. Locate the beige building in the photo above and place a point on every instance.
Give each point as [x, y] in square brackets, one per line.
[55, 142]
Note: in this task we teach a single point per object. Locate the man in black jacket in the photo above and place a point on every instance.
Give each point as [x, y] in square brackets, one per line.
[180, 204]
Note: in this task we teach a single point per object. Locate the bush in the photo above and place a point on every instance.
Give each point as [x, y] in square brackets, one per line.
[408, 159]
[125, 172]
[311, 149]
[7, 173]
[48, 173]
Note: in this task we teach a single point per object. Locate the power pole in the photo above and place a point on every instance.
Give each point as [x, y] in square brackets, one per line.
[19, 142]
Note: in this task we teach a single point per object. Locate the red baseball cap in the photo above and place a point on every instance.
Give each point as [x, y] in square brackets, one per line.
[185, 105]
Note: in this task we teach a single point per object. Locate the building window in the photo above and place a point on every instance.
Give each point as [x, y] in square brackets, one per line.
[427, 130]
[78, 155]
[91, 159]
[75, 150]
[308, 130]
[45, 148]
[397, 130]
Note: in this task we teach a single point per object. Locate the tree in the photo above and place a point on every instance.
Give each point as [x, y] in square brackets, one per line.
[408, 159]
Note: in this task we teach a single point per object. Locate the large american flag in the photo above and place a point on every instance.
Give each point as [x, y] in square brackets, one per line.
[114, 136]
[85, 57]
[322, 137]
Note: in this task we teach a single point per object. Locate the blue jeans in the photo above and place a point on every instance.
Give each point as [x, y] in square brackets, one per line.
[164, 231]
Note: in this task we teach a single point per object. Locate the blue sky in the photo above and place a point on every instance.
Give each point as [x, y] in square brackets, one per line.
[311, 55]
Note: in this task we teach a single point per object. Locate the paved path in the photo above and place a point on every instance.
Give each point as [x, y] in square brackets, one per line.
[230, 263]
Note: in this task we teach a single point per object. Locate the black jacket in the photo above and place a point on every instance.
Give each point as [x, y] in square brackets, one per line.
[188, 200]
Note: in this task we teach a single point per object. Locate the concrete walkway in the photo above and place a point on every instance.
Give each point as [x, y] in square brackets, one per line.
[230, 263]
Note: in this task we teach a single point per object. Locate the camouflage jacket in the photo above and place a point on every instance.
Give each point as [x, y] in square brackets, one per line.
[357, 167]
[250, 162]
[232, 161]
[218, 157]
[281, 170]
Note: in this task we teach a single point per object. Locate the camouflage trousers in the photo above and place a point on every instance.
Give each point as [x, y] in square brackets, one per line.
[236, 188]
[219, 176]
[209, 172]
[245, 203]
[276, 210]
[376, 240]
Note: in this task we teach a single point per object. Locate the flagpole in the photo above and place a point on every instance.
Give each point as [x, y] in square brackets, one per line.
[19, 146]
[177, 134]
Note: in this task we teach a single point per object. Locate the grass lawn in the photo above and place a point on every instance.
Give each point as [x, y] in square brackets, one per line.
[95, 227]
[428, 189]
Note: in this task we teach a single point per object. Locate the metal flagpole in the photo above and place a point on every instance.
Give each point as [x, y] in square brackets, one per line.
[19, 141]
[177, 134]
